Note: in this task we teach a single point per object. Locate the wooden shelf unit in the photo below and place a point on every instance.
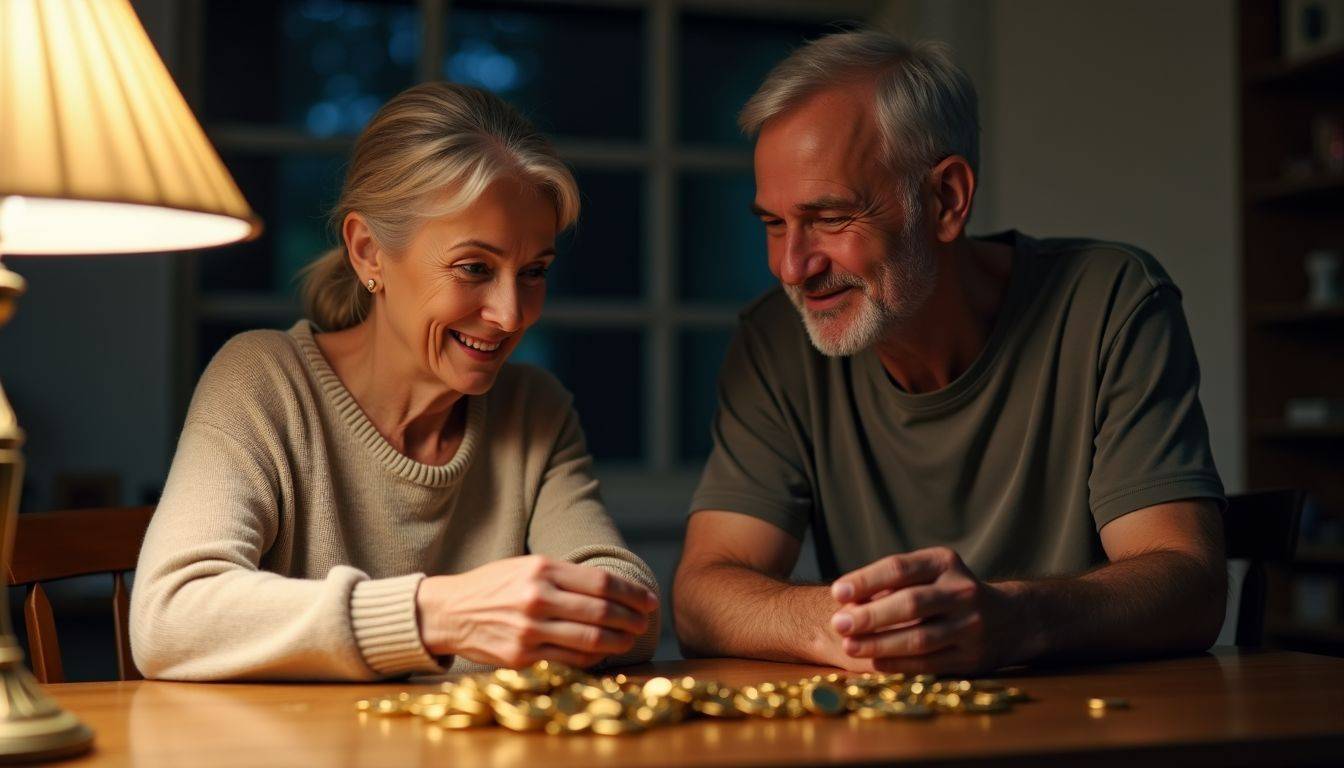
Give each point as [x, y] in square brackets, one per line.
[1291, 350]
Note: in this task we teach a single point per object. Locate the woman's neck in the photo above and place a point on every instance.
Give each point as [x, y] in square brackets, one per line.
[416, 414]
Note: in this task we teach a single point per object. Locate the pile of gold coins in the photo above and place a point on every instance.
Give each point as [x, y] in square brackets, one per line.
[556, 699]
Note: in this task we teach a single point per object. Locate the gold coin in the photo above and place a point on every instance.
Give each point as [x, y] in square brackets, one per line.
[606, 708]
[658, 687]
[984, 702]
[611, 726]
[390, 707]
[824, 699]
[686, 689]
[433, 711]
[457, 721]
[515, 721]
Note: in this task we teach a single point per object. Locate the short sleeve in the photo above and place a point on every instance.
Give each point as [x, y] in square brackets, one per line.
[755, 466]
[1152, 441]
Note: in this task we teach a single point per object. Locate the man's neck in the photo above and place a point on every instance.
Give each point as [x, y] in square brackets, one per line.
[937, 345]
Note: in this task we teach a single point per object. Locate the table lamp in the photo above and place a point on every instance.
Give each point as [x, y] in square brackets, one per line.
[99, 153]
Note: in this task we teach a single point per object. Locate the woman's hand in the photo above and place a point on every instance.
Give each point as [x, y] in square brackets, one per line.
[519, 610]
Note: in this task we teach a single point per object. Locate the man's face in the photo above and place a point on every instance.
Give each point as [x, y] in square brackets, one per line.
[843, 236]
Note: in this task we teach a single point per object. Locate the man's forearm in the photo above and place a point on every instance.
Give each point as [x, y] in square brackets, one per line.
[730, 610]
[1156, 602]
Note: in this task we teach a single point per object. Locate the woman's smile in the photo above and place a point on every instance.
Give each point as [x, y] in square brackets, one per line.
[477, 348]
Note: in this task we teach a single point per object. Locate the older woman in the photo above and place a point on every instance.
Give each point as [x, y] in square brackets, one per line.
[376, 492]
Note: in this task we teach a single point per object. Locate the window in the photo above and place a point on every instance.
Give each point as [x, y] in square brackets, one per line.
[641, 99]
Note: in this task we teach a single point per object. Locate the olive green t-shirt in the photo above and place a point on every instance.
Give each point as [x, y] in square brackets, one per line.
[1082, 407]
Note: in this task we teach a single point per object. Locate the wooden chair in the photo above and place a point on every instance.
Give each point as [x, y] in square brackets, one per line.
[76, 542]
[1261, 528]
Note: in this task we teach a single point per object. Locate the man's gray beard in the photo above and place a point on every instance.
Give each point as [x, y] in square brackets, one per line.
[903, 283]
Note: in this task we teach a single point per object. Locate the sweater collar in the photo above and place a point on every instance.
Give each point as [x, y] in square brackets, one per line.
[396, 462]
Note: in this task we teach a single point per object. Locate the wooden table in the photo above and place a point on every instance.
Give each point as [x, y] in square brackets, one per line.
[1223, 708]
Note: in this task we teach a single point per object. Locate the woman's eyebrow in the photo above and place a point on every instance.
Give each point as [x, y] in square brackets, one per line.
[473, 243]
[496, 250]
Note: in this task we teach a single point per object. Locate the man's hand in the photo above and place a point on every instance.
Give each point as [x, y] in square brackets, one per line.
[925, 612]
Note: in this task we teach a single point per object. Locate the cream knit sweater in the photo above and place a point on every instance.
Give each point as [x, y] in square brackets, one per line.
[291, 537]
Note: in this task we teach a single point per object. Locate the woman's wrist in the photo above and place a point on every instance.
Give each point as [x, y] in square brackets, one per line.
[431, 618]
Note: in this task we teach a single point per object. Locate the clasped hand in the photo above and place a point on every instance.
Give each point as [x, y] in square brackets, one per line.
[922, 612]
[519, 610]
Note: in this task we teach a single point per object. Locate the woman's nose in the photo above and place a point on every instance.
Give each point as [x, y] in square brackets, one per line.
[502, 307]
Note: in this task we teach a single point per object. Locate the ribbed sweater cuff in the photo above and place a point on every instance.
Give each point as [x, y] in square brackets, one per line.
[382, 614]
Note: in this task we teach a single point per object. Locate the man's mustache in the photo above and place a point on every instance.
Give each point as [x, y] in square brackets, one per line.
[827, 282]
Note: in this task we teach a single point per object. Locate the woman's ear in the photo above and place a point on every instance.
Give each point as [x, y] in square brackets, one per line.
[365, 255]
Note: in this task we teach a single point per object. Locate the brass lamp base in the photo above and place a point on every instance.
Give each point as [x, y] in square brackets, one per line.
[32, 725]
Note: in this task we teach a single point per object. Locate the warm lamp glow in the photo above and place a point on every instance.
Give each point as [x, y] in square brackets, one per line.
[45, 226]
[96, 138]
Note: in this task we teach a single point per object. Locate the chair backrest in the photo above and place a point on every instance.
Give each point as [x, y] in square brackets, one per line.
[68, 543]
[1260, 528]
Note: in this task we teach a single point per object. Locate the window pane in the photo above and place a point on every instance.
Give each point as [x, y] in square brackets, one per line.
[723, 61]
[320, 66]
[573, 70]
[293, 195]
[702, 353]
[603, 254]
[604, 369]
[722, 244]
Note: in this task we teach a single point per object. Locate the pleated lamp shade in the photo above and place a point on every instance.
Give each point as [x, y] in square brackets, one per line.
[99, 152]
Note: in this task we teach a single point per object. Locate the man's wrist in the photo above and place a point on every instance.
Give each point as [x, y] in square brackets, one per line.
[1030, 637]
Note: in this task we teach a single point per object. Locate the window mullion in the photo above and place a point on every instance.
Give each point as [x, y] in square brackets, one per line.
[660, 355]
[433, 31]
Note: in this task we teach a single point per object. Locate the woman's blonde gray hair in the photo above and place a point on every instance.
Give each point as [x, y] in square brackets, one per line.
[430, 151]
[926, 106]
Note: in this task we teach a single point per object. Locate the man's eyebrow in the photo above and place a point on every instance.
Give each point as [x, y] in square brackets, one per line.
[830, 203]
[758, 211]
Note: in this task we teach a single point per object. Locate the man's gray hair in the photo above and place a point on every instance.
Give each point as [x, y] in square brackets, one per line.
[925, 104]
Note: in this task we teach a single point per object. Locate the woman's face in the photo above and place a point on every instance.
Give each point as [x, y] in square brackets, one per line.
[466, 288]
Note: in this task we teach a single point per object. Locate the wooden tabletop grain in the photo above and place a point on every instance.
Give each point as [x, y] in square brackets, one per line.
[1227, 707]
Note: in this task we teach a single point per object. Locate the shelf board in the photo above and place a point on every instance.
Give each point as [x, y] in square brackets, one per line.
[1312, 633]
[1277, 429]
[1295, 313]
[1323, 68]
[1319, 186]
[1320, 556]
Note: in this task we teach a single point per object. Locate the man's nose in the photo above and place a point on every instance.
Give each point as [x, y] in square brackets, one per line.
[801, 260]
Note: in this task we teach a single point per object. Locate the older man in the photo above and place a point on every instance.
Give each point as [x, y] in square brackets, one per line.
[997, 443]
